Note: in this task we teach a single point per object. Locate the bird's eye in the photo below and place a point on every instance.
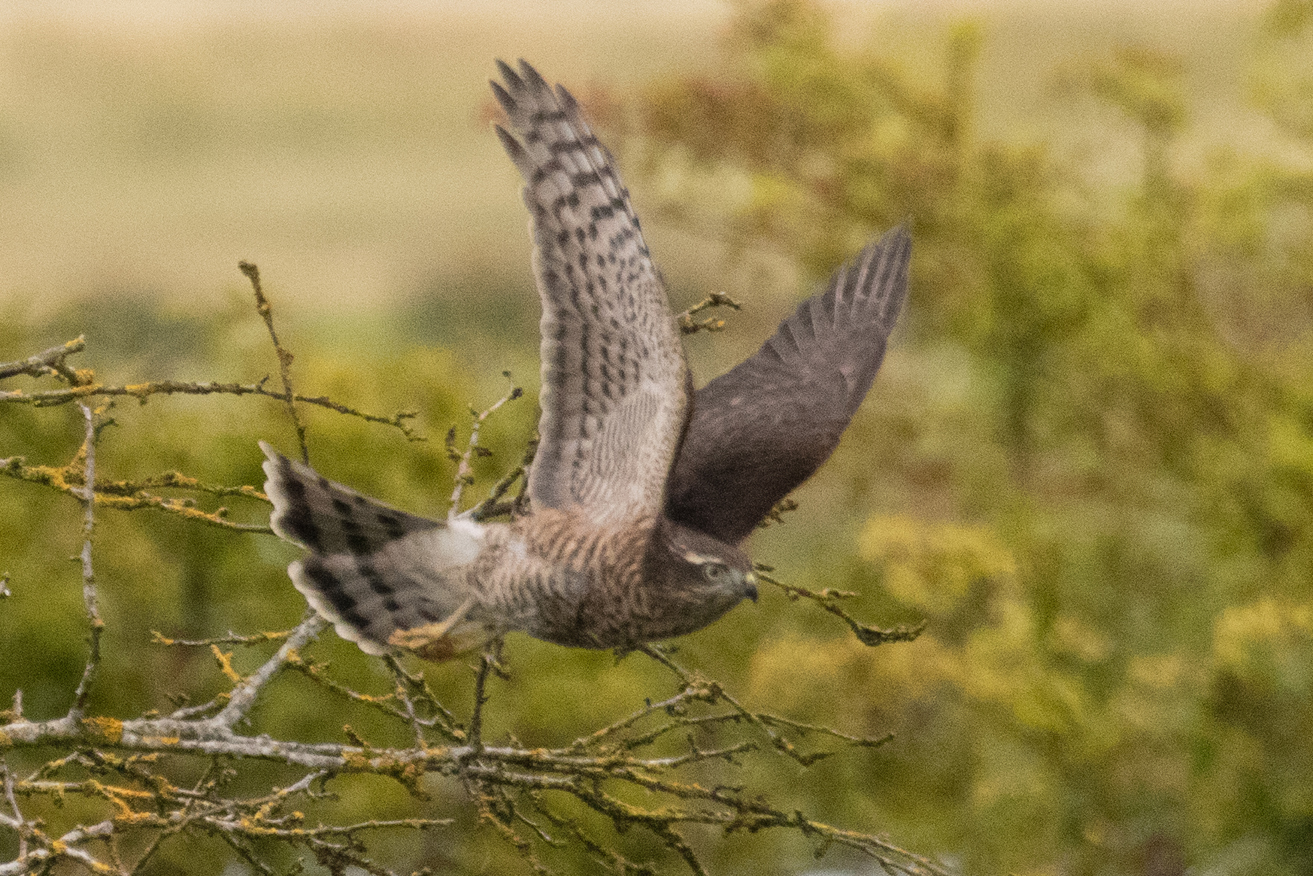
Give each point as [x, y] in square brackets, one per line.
[714, 571]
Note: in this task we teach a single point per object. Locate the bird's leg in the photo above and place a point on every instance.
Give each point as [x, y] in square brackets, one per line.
[422, 639]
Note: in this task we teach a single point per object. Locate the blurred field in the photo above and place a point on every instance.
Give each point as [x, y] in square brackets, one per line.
[145, 148]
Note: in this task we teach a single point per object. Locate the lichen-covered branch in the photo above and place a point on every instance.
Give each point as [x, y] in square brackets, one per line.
[266, 311]
[144, 391]
[125, 495]
[829, 600]
[90, 598]
[135, 495]
[52, 361]
[593, 769]
[82, 384]
[243, 695]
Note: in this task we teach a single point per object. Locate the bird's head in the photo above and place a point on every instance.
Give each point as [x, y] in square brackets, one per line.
[715, 574]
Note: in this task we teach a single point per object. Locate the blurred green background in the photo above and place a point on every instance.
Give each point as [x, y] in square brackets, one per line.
[1087, 462]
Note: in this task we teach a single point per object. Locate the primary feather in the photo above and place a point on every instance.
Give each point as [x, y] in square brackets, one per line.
[614, 384]
[764, 427]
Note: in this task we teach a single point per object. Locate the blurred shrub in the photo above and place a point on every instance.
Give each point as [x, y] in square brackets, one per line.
[1118, 612]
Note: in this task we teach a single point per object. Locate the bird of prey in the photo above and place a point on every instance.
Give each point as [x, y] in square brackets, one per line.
[642, 491]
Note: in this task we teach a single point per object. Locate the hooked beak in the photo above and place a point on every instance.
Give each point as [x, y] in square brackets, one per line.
[750, 586]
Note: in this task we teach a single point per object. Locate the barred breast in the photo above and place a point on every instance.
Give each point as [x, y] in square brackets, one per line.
[558, 577]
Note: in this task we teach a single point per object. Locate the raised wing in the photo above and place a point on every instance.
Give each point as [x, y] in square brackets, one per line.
[763, 428]
[614, 394]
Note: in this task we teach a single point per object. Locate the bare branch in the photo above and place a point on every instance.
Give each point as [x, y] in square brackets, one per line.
[89, 595]
[143, 391]
[50, 362]
[230, 638]
[464, 468]
[499, 778]
[17, 823]
[266, 311]
[66, 846]
[829, 600]
[494, 506]
[244, 694]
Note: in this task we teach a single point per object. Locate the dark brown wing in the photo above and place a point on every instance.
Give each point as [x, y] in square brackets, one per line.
[614, 395]
[763, 428]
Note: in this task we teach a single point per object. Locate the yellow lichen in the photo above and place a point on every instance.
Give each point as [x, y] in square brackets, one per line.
[102, 731]
[225, 664]
[355, 760]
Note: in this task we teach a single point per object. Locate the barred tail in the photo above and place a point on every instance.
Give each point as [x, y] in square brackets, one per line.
[381, 576]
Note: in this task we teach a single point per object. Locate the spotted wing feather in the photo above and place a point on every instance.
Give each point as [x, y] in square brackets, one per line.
[764, 427]
[614, 391]
[372, 569]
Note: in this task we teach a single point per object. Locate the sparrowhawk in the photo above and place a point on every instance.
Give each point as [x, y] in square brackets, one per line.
[641, 491]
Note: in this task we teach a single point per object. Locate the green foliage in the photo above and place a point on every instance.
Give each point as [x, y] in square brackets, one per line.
[1116, 660]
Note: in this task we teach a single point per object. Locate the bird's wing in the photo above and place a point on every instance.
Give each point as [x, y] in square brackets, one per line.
[763, 428]
[614, 393]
